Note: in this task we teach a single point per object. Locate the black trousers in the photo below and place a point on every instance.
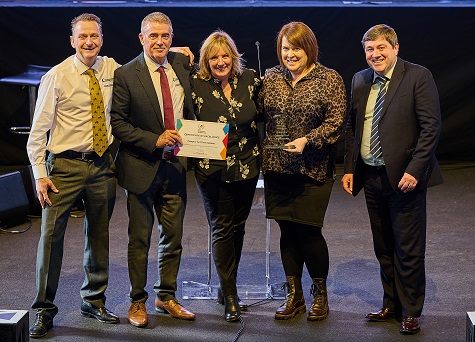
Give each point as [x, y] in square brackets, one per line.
[227, 207]
[398, 224]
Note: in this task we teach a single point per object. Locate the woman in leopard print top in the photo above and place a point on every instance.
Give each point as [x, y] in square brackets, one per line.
[305, 106]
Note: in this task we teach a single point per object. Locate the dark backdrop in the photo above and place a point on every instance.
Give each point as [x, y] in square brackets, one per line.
[439, 38]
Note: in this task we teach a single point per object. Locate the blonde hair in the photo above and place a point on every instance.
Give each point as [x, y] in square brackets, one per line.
[211, 45]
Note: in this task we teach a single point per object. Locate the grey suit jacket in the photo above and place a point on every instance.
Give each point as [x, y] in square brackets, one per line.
[409, 128]
[137, 122]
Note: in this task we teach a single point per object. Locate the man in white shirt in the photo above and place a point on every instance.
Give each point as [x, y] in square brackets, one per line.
[73, 170]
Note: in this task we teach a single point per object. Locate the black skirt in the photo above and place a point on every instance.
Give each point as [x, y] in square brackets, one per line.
[296, 197]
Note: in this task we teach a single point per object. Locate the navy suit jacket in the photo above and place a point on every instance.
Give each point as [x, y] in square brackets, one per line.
[409, 128]
[137, 121]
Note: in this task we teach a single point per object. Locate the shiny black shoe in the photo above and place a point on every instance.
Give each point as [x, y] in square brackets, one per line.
[101, 314]
[232, 312]
[220, 300]
[383, 315]
[41, 326]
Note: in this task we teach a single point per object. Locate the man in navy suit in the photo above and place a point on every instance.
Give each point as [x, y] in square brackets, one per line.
[394, 161]
[153, 178]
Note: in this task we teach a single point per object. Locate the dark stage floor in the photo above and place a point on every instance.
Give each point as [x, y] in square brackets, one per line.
[354, 287]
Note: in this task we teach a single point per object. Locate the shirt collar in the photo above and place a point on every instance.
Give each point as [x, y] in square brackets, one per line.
[81, 67]
[153, 66]
[388, 75]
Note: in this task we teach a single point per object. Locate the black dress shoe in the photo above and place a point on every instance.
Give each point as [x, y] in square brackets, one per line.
[220, 300]
[101, 314]
[382, 315]
[232, 312]
[41, 326]
[410, 325]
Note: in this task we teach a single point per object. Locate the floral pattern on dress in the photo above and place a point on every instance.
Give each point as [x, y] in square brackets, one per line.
[198, 101]
[230, 160]
[243, 155]
[242, 142]
[255, 151]
[244, 170]
[204, 163]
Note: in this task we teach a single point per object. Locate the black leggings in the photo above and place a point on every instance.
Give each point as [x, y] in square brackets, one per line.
[303, 244]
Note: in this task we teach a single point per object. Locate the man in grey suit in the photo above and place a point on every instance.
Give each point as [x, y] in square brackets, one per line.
[154, 179]
[393, 159]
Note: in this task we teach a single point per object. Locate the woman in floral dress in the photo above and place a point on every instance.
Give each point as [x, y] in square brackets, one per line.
[224, 91]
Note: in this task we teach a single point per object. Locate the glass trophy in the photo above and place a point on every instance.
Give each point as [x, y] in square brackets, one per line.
[281, 136]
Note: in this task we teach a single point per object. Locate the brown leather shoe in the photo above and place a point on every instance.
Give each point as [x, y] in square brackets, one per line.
[410, 325]
[138, 314]
[319, 309]
[383, 315]
[173, 308]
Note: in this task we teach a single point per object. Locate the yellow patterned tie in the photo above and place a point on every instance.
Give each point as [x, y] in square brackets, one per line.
[99, 127]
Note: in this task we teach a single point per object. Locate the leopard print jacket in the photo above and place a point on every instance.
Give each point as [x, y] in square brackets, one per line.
[315, 108]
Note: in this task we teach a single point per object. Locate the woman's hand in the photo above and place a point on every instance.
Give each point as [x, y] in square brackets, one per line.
[299, 144]
[185, 50]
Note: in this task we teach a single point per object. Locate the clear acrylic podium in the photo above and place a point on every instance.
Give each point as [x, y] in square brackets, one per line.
[195, 290]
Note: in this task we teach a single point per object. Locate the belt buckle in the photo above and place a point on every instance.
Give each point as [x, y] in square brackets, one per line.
[84, 156]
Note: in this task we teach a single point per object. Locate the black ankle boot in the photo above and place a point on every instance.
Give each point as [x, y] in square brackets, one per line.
[231, 308]
[220, 300]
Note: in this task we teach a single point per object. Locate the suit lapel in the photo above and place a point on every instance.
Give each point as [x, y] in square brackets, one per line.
[396, 79]
[145, 79]
[178, 68]
[366, 88]
[363, 93]
[183, 74]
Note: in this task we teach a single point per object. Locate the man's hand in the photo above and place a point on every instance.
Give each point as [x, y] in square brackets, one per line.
[407, 183]
[185, 50]
[347, 182]
[168, 138]
[42, 187]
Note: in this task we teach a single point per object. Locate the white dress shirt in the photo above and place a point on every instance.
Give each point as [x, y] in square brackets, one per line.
[176, 89]
[63, 109]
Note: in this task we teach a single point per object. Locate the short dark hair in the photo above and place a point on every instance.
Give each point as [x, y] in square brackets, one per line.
[381, 30]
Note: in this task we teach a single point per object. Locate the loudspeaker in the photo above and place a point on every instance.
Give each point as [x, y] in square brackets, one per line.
[14, 326]
[470, 336]
[30, 188]
[14, 204]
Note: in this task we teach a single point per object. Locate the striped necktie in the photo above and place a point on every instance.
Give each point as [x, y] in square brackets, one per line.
[374, 143]
[99, 127]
